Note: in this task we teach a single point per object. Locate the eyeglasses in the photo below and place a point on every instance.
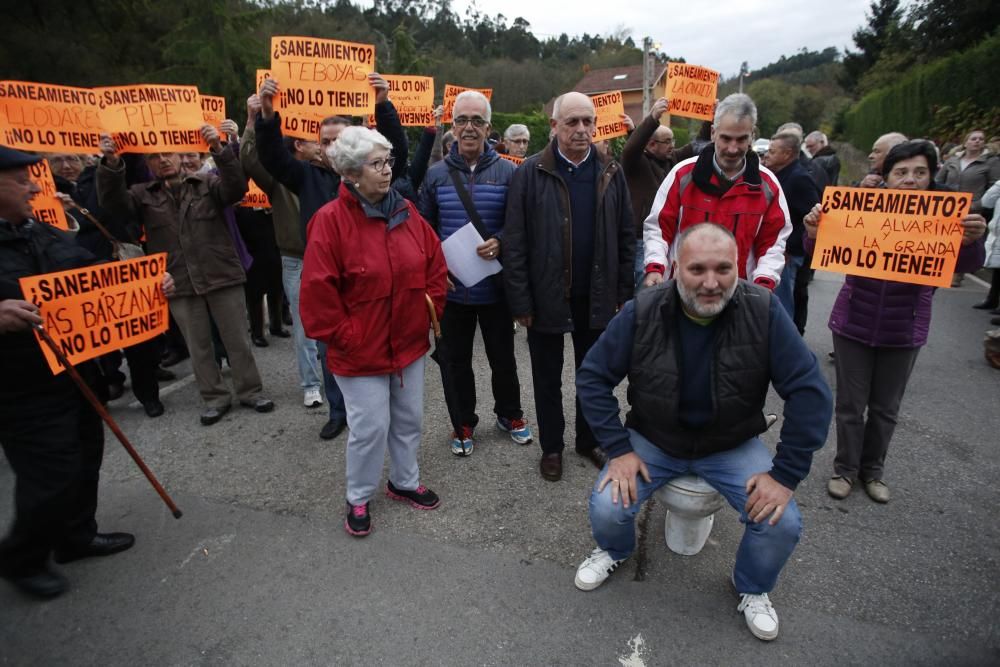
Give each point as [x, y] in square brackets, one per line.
[63, 159]
[663, 141]
[462, 121]
[382, 163]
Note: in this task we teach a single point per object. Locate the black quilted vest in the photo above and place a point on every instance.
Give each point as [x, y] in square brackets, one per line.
[740, 372]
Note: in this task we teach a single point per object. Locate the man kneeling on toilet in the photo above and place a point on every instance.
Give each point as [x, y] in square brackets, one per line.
[699, 352]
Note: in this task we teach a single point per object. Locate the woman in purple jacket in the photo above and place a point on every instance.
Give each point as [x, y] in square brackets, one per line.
[878, 329]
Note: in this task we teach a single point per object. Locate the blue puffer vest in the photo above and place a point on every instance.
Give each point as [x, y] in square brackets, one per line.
[440, 204]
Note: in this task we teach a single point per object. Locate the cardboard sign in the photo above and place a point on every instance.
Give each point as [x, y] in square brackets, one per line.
[45, 207]
[151, 118]
[47, 118]
[293, 124]
[511, 158]
[106, 307]
[451, 92]
[909, 236]
[413, 97]
[324, 76]
[213, 110]
[610, 108]
[255, 197]
[692, 90]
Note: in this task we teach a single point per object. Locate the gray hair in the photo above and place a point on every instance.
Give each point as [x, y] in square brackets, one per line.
[516, 130]
[557, 105]
[475, 95]
[739, 105]
[791, 127]
[818, 137]
[791, 140]
[353, 146]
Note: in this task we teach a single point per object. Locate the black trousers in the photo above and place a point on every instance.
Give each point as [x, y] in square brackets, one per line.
[143, 358]
[546, 351]
[264, 276]
[800, 295]
[54, 441]
[458, 329]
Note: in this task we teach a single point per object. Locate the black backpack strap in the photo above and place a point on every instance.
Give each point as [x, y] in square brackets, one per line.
[463, 194]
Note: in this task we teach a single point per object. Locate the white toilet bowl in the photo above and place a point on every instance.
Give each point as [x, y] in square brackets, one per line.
[691, 506]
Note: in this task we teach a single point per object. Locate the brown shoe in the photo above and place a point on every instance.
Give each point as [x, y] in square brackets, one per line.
[551, 466]
[839, 487]
[595, 455]
[877, 490]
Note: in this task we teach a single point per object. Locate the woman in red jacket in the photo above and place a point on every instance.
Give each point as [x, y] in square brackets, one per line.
[370, 259]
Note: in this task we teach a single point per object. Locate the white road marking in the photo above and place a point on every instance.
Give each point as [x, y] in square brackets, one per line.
[638, 646]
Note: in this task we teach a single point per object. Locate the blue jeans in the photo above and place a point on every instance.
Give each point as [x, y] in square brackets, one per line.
[639, 264]
[334, 397]
[764, 549]
[785, 291]
[305, 348]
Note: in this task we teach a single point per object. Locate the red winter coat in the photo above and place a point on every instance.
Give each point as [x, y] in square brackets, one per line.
[753, 209]
[363, 284]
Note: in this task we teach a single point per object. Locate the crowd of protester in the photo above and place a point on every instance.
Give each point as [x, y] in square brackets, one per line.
[664, 248]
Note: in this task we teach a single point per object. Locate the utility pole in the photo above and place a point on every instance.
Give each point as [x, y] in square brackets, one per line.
[744, 71]
[647, 76]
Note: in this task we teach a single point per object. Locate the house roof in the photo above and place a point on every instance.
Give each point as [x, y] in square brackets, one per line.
[614, 78]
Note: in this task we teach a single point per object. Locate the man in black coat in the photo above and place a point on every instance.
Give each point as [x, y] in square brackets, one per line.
[51, 435]
[569, 243]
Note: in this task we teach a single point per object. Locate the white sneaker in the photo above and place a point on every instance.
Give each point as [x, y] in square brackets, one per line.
[760, 615]
[595, 569]
[312, 399]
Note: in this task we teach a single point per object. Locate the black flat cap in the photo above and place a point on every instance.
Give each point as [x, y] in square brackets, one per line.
[11, 159]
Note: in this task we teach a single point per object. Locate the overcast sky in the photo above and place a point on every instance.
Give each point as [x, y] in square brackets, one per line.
[719, 34]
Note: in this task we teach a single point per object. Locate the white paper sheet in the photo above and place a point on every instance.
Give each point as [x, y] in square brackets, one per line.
[463, 262]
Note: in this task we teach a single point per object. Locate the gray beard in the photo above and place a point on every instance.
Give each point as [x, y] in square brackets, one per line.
[690, 301]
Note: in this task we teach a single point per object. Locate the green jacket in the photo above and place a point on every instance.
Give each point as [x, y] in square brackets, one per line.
[284, 203]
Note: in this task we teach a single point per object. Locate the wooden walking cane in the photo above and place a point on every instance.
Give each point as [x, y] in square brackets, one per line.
[434, 317]
[102, 411]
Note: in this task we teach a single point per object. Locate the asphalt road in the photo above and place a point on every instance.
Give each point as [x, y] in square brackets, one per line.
[259, 570]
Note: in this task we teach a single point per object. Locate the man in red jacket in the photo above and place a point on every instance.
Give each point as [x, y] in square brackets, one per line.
[726, 185]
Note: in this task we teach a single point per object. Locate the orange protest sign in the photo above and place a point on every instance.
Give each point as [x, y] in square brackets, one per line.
[909, 236]
[43, 117]
[413, 97]
[255, 197]
[451, 92]
[293, 124]
[324, 76]
[45, 207]
[152, 118]
[92, 311]
[610, 108]
[213, 109]
[692, 90]
[511, 158]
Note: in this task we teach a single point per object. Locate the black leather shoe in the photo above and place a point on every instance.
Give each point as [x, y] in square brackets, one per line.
[280, 333]
[172, 358]
[45, 583]
[551, 466]
[259, 404]
[153, 408]
[212, 415]
[995, 320]
[259, 341]
[986, 305]
[332, 429]
[103, 544]
[595, 455]
[115, 390]
[163, 375]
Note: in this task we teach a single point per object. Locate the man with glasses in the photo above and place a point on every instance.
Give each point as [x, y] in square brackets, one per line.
[516, 138]
[647, 158]
[183, 216]
[569, 243]
[470, 186]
